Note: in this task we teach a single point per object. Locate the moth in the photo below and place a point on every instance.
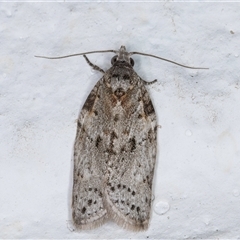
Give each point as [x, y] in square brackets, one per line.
[115, 148]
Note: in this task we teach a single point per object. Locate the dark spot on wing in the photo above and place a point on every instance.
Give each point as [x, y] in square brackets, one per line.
[148, 108]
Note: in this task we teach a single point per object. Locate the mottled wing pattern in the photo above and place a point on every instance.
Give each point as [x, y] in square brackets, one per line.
[131, 164]
[115, 152]
[87, 198]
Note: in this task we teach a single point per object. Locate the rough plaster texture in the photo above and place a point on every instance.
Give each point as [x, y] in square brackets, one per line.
[197, 180]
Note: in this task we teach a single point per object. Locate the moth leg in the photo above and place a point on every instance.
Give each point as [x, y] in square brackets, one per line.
[149, 83]
[95, 67]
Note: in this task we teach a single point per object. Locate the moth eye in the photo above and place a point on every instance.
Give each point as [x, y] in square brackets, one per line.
[114, 59]
[132, 62]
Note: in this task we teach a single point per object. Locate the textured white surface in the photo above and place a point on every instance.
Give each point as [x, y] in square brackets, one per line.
[197, 180]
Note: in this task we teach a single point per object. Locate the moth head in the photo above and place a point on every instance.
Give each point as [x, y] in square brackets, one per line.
[122, 56]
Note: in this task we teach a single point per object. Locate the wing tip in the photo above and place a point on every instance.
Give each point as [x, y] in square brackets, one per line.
[131, 225]
[91, 224]
[124, 221]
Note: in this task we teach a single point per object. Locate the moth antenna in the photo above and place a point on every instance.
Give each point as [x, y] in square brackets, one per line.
[77, 54]
[164, 59]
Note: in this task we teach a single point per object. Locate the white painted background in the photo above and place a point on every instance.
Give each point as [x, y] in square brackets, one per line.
[198, 166]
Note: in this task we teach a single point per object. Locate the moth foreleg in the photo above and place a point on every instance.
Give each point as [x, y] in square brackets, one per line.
[95, 67]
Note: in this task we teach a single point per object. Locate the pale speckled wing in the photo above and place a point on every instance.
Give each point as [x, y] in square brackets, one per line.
[88, 210]
[131, 161]
[115, 152]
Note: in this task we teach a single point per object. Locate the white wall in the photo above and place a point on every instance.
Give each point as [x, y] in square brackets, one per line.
[198, 167]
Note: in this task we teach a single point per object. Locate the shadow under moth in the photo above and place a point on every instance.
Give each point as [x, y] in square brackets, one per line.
[115, 148]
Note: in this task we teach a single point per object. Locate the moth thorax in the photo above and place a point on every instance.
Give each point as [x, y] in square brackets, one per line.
[120, 84]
